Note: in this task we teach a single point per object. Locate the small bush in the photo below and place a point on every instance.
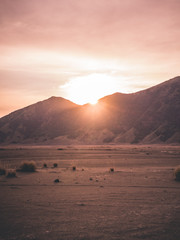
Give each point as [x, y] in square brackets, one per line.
[56, 180]
[2, 171]
[27, 167]
[55, 165]
[11, 174]
[177, 173]
[111, 169]
[74, 168]
[45, 165]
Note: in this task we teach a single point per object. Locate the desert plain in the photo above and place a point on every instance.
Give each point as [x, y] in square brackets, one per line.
[118, 192]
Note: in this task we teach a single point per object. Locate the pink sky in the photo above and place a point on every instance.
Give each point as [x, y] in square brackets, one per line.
[47, 45]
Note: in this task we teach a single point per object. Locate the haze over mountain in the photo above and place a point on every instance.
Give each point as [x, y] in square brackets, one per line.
[148, 116]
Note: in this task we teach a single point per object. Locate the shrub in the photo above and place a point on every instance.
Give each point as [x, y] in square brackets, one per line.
[28, 167]
[111, 169]
[2, 171]
[56, 180]
[74, 168]
[45, 165]
[55, 165]
[11, 174]
[177, 173]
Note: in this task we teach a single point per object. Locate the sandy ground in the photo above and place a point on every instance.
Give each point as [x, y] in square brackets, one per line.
[139, 200]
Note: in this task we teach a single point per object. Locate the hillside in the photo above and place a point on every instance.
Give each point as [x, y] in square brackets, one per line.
[148, 116]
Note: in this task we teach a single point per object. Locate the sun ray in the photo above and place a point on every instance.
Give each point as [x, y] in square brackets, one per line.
[88, 89]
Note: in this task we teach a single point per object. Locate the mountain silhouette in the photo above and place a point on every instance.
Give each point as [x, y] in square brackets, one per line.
[148, 116]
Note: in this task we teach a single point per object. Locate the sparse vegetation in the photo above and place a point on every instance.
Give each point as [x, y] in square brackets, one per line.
[111, 169]
[74, 168]
[27, 167]
[45, 165]
[55, 165]
[56, 180]
[177, 173]
[11, 174]
[2, 171]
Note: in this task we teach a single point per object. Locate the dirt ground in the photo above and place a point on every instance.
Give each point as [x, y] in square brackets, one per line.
[138, 200]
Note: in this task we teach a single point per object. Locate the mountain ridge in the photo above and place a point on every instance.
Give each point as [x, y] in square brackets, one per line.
[148, 116]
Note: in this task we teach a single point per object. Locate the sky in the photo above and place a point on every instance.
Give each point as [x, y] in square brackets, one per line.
[84, 49]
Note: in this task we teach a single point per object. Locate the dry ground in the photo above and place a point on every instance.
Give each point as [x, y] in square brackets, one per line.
[139, 200]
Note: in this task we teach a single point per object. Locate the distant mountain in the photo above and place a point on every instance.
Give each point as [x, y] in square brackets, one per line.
[148, 116]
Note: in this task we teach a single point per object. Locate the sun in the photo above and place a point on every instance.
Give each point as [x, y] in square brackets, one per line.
[90, 88]
[93, 102]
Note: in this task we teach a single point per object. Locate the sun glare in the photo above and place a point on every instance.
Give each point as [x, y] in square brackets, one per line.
[93, 102]
[88, 89]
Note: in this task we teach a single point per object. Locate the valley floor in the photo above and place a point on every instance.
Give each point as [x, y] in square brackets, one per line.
[138, 200]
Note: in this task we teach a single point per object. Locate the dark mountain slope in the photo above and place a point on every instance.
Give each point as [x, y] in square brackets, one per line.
[149, 116]
[40, 121]
[155, 110]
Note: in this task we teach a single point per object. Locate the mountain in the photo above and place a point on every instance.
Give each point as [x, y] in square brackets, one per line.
[148, 116]
[38, 122]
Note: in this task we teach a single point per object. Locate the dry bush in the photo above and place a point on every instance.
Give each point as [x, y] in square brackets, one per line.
[11, 174]
[74, 168]
[2, 171]
[45, 165]
[56, 180]
[27, 167]
[177, 173]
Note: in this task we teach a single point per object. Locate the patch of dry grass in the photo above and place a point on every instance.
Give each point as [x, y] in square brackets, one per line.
[2, 171]
[11, 174]
[177, 173]
[55, 165]
[27, 167]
